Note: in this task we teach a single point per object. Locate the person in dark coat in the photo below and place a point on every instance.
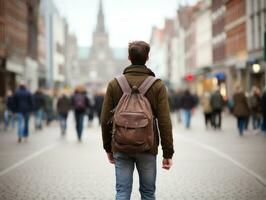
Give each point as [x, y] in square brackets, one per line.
[187, 102]
[2, 111]
[177, 104]
[91, 109]
[217, 103]
[63, 107]
[255, 108]
[98, 103]
[48, 109]
[240, 109]
[80, 103]
[39, 106]
[263, 110]
[23, 106]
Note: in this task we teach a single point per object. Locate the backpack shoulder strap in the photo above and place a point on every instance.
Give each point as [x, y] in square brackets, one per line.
[146, 84]
[123, 83]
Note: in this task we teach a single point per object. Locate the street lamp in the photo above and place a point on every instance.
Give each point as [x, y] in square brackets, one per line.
[256, 68]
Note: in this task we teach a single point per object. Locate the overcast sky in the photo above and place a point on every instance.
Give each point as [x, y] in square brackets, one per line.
[126, 20]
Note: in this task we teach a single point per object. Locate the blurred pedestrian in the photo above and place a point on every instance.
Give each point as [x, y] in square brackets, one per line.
[187, 104]
[207, 109]
[171, 100]
[90, 109]
[80, 103]
[49, 111]
[177, 105]
[23, 104]
[240, 109]
[39, 106]
[98, 103]
[63, 107]
[2, 112]
[263, 109]
[217, 103]
[255, 107]
[9, 110]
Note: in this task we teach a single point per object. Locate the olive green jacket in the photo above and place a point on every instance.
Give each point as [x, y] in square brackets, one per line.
[157, 95]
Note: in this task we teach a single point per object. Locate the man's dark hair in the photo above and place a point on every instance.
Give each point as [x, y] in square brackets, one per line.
[138, 52]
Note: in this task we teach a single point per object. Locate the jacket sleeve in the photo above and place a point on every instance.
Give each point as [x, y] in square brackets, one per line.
[164, 122]
[106, 123]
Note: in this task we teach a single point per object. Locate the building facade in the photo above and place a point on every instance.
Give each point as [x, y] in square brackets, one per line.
[72, 70]
[18, 52]
[55, 37]
[219, 76]
[58, 49]
[236, 44]
[256, 28]
[158, 53]
[218, 33]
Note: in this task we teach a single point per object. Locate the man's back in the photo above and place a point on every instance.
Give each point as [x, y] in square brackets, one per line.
[217, 101]
[158, 99]
[23, 100]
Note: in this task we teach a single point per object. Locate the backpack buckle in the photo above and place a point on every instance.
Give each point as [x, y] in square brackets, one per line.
[135, 90]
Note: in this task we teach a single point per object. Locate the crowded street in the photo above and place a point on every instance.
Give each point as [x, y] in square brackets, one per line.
[129, 100]
[207, 164]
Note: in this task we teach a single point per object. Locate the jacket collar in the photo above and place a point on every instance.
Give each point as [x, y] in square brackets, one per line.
[138, 70]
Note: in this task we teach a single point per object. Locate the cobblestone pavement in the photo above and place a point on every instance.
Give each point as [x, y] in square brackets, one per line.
[208, 165]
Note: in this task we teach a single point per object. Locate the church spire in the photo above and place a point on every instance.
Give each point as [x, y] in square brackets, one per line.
[100, 21]
[101, 7]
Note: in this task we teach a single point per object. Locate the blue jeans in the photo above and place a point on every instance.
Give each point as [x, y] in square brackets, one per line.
[23, 124]
[9, 117]
[38, 118]
[124, 168]
[63, 121]
[79, 117]
[241, 124]
[187, 117]
[256, 122]
[263, 124]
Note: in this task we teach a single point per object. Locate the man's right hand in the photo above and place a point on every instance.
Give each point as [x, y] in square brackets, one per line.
[111, 158]
[167, 163]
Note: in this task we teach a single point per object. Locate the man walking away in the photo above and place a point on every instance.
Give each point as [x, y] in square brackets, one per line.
[23, 102]
[63, 107]
[217, 103]
[49, 109]
[39, 106]
[130, 136]
[187, 103]
[98, 103]
[240, 109]
[255, 108]
[80, 104]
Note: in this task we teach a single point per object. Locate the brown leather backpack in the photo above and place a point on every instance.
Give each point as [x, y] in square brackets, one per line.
[133, 130]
